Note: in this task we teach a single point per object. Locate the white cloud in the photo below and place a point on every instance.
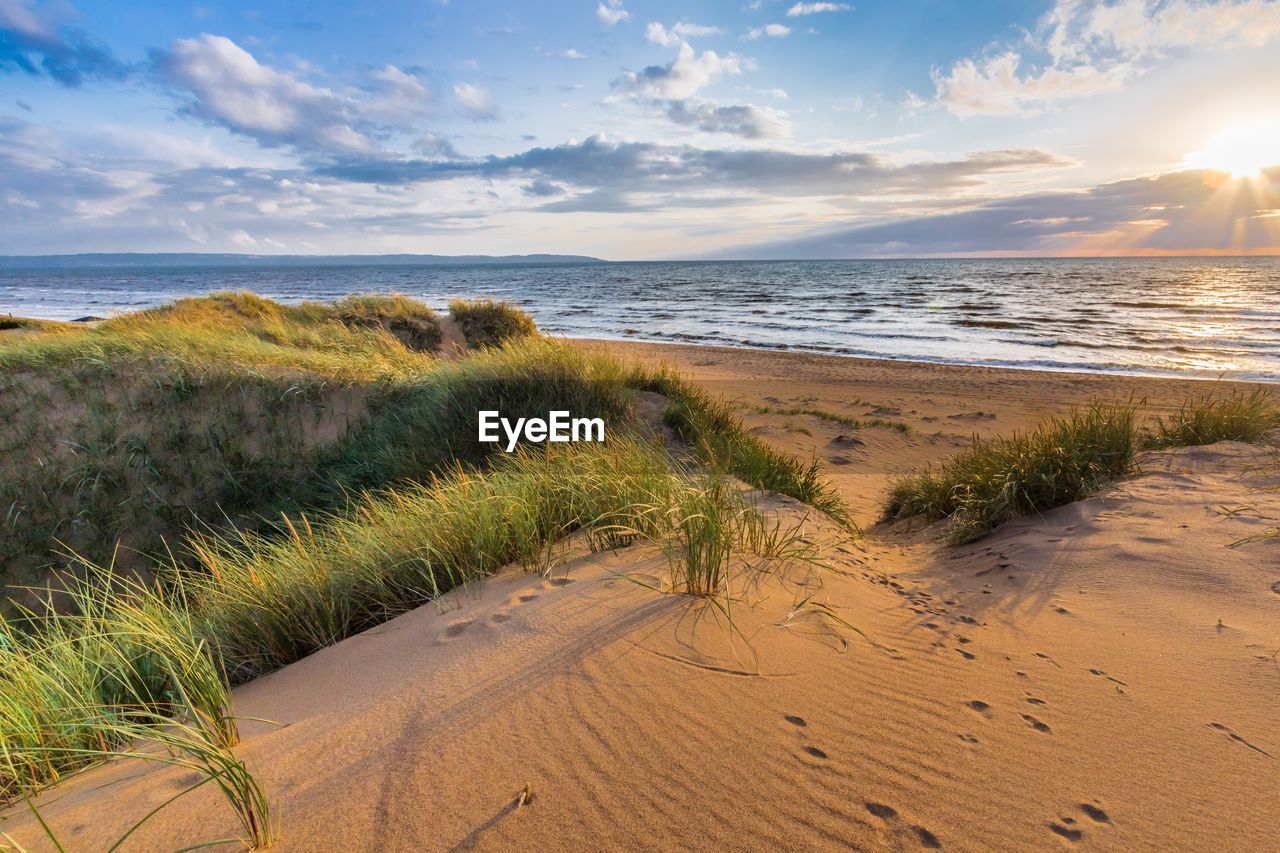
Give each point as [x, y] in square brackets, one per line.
[475, 100]
[683, 76]
[995, 87]
[396, 94]
[815, 8]
[674, 35]
[610, 12]
[229, 87]
[1096, 46]
[772, 30]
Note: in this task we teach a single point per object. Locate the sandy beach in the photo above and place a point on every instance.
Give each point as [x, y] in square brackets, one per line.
[1101, 677]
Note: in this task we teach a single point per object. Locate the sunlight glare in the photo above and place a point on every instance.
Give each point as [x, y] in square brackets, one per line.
[1242, 150]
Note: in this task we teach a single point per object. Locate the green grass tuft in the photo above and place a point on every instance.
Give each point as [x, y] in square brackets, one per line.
[1209, 418]
[1062, 460]
[407, 320]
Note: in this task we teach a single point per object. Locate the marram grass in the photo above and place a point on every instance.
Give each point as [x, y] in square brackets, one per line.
[1211, 417]
[1062, 460]
[404, 507]
[1065, 459]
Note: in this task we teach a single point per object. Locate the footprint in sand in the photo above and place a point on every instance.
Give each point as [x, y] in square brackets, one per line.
[1065, 830]
[522, 598]
[1102, 674]
[1237, 738]
[1047, 659]
[978, 705]
[558, 582]
[456, 628]
[1070, 831]
[1037, 724]
[815, 752]
[799, 722]
[881, 811]
[966, 655]
[1094, 813]
[1033, 700]
[499, 618]
[889, 814]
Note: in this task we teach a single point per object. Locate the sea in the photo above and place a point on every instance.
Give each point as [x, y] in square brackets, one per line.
[1165, 316]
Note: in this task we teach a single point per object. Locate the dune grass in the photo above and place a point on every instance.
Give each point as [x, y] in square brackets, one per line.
[404, 505]
[1065, 459]
[409, 321]
[265, 601]
[1060, 461]
[489, 323]
[720, 440]
[232, 406]
[1211, 417]
[228, 332]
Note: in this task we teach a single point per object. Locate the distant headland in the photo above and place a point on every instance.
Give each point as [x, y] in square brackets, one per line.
[203, 259]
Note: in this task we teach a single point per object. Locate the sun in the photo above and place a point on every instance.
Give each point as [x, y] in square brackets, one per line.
[1242, 150]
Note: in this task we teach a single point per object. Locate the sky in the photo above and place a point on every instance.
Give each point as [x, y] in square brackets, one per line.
[634, 130]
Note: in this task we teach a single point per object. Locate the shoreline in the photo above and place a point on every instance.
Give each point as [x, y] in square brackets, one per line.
[917, 363]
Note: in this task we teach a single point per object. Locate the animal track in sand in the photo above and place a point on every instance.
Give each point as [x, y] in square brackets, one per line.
[979, 706]
[1037, 724]
[1237, 738]
[815, 752]
[966, 655]
[795, 721]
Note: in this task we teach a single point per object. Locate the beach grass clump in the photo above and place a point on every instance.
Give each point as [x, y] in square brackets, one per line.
[1062, 460]
[117, 650]
[411, 322]
[489, 323]
[1209, 418]
[267, 600]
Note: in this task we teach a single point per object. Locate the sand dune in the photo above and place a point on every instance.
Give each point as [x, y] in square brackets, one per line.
[1102, 677]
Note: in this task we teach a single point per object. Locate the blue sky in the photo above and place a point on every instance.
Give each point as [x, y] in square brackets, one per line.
[630, 129]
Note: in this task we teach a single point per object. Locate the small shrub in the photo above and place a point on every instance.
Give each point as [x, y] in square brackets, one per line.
[7, 323]
[488, 323]
[1060, 461]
